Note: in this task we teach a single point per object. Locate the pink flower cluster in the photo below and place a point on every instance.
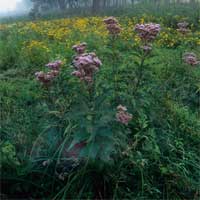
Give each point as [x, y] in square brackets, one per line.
[80, 48]
[147, 32]
[54, 65]
[46, 77]
[122, 115]
[85, 66]
[191, 59]
[112, 25]
[183, 27]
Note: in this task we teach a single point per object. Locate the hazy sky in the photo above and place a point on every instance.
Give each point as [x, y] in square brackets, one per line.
[8, 5]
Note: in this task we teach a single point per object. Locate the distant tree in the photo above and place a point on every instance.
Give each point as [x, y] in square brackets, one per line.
[95, 5]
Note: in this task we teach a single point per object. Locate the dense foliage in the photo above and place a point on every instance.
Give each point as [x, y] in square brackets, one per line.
[115, 117]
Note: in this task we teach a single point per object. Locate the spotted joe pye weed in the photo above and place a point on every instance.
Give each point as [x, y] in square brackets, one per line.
[86, 65]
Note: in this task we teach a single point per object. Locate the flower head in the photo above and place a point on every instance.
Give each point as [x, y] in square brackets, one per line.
[46, 78]
[147, 32]
[191, 59]
[122, 115]
[183, 27]
[54, 65]
[85, 66]
[43, 77]
[121, 108]
[112, 25]
[110, 20]
[80, 48]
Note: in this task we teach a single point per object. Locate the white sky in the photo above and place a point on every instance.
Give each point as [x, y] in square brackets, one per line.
[8, 5]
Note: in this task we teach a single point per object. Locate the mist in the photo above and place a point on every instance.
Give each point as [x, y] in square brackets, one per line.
[15, 8]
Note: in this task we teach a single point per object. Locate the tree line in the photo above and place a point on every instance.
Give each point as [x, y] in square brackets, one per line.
[93, 5]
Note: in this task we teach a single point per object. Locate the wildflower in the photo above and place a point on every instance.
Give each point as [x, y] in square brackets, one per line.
[85, 66]
[42, 77]
[38, 45]
[46, 78]
[122, 115]
[147, 32]
[77, 74]
[53, 73]
[183, 27]
[54, 65]
[146, 48]
[80, 48]
[112, 25]
[191, 59]
[122, 108]
[110, 20]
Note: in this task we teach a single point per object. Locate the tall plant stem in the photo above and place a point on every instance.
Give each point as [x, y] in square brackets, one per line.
[91, 90]
[115, 69]
[140, 74]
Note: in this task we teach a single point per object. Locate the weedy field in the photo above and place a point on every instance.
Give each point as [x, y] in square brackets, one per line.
[100, 108]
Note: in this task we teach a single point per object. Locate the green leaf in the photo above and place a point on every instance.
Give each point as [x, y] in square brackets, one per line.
[79, 137]
[104, 132]
[91, 150]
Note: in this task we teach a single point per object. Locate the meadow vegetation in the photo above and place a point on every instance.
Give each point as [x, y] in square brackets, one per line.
[98, 107]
